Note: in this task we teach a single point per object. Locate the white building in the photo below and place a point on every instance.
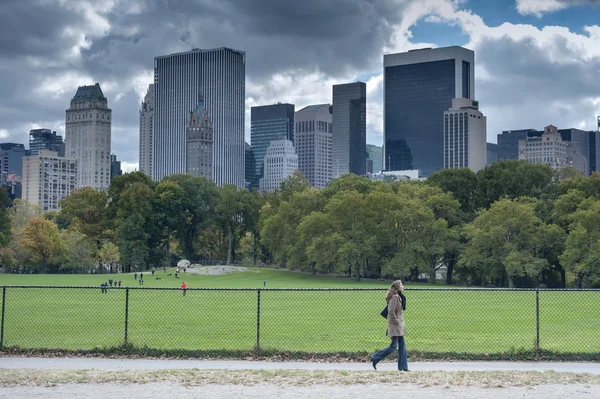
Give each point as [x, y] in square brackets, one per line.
[550, 149]
[88, 134]
[48, 178]
[393, 175]
[178, 79]
[280, 163]
[465, 136]
[146, 136]
[312, 137]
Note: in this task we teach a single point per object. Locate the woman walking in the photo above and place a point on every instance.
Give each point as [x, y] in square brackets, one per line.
[396, 329]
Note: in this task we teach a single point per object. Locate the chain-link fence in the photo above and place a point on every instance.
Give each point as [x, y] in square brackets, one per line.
[476, 321]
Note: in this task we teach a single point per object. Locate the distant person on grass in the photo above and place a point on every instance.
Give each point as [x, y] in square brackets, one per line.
[135, 276]
[184, 287]
[396, 330]
[110, 281]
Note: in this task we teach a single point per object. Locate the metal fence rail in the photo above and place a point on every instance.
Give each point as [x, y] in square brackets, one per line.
[438, 320]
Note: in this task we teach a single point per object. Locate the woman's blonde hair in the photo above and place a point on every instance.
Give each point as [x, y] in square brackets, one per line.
[394, 289]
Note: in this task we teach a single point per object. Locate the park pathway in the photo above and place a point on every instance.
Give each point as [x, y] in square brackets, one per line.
[62, 363]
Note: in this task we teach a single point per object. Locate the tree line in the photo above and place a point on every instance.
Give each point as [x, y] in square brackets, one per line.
[512, 224]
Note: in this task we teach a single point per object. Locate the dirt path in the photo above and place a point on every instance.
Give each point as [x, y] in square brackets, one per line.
[165, 390]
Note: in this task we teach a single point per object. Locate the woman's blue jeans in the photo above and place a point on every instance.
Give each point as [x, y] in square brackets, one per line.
[397, 343]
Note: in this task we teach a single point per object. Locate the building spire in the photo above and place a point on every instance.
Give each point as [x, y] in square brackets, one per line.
[200, 104]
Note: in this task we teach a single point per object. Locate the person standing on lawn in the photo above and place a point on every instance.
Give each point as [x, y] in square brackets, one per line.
[184, 287]
[396, 330]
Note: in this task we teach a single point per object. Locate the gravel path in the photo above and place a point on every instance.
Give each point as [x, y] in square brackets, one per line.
[161, 391]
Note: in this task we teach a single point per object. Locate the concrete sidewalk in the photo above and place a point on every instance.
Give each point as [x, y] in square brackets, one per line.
[145, 364]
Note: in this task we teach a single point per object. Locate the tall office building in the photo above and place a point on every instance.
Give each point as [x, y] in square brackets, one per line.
[115, 167]
[11, 160]
[375, 155]
[146, 131]
[178, 79]
[418, 88]
[313, 143]
[268, 123]
[492, 153]
[199, 142]
[551, 149]
[349, 134]
[45, 139]
[87, 136]
[280, 162]
[464, 136]
[584, 142]
[250, 172]
[48, 179]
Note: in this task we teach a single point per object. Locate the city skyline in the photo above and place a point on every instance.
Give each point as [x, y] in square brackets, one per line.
[114, 45]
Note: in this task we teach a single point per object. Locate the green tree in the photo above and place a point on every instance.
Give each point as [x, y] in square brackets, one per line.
[21, 213]
[134, 223]
[5, 225]
[169, 200]
[197, 209]
[122, 183]
[88, 209]
[80, 251]
[42, 239]
[512, 179]
[108, 255]
[462, 183]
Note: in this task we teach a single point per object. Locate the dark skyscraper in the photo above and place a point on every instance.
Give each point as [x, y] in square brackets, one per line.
[250, 168]
[115, 167]
[45, 139]
[349, 139]
[269, 123]
[418, 88]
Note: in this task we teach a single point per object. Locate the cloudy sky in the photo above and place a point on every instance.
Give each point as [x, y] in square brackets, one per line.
[537, 61]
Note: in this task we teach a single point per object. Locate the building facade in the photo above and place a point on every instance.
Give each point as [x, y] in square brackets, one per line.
[250, 181]
[88, 135]
[375, 156]
[280, 162]
[313, 143]
[550, 149]
[146, 131]
[419, 86]
[199, 142]
[115, 167]
[48, 179]
[268, 123]
[584, 142]
[492, 153]
[220, 74]
[465, 136]
[45, 139]
[349, 134]
[11, 160]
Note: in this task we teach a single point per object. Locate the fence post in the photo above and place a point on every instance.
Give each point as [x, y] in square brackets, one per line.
[126, 312]
[258, 322]
[537, 321]
[3, 309]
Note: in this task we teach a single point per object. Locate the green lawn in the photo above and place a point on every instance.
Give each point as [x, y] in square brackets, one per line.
[317, 321]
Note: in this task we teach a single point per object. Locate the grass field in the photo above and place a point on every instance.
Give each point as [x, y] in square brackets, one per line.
[344, 320]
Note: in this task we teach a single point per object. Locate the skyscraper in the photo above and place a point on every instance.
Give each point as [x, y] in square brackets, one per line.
[418, 88]
[87, 136]
[492, 153]
[11, 160]
[313, 143]
[179, 78]
[375, 154]
[146, 131]
[250, 168]
[268, 123]
[349, 134]
[45, 139]
[280, 162]
[199, 142]
[115, 167]
[465, 136]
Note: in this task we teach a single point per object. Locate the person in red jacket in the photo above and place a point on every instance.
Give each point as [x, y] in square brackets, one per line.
[184, 287]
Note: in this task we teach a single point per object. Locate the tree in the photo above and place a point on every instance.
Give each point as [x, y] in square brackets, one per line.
[123, 182]
[108, 255]
[197, 208]
[88, 208]
[42, 238]
[462, 183]
[508, 240]
[7, 259]
[21, 213]
[134, 223]
[80, 251]
[169, 200]
[511, 179]
[5, 230]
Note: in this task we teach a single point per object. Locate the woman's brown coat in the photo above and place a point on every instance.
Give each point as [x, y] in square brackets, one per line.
[395, 319]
